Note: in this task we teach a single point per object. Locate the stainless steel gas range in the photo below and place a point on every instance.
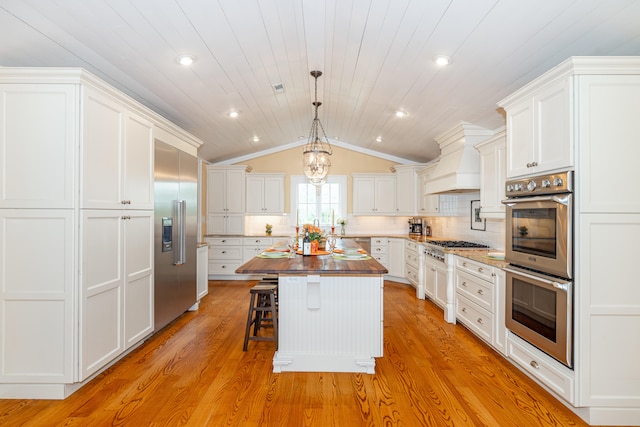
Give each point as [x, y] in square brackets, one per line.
[438, 273]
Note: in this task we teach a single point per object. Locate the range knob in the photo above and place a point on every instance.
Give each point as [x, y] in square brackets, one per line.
[509, 188]
[518, 187]
[531, 185]
[558, 182]
[546, 183]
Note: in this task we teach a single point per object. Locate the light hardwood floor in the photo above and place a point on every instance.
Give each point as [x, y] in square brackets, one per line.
[195, 373]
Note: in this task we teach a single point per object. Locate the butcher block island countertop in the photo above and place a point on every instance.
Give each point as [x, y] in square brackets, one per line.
[329, 312]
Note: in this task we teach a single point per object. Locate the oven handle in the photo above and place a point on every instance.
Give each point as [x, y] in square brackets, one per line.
[561, 286]
[560, 200]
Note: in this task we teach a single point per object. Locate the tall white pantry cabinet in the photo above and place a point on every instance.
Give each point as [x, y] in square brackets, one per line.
[592, 104]
[76, 227]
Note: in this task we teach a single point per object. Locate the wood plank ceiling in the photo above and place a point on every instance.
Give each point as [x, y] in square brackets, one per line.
[376, 56]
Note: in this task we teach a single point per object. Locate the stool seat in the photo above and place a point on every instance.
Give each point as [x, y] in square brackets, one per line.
[263, 309]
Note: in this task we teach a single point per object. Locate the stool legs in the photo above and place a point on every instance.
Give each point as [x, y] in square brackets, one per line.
[262, 304]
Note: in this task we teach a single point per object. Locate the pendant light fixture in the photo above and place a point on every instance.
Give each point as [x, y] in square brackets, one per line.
[315, 157]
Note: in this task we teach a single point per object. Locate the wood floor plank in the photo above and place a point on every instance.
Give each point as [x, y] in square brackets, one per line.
[195, 373]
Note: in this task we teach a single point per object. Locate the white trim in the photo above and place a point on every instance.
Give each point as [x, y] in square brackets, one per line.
[300, 143]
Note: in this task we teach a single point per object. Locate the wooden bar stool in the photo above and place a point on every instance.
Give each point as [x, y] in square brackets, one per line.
[262, 309]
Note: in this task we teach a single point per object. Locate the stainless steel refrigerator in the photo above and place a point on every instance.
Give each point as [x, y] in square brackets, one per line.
[176, 216]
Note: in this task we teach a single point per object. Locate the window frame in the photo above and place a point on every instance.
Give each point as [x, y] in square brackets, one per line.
[295, 180]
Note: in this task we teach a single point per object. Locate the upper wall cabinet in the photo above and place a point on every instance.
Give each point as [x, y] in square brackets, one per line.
[406, 189]
[374, 194]
[265, 194]
[225, 189]
[539, 129]
[117, 155]
[492, 175]
[38, 132]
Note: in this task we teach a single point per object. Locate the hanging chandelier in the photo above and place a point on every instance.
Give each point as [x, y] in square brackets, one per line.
[315, 157]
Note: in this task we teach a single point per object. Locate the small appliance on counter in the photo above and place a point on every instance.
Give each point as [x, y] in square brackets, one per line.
[426, 229]
[415, 226]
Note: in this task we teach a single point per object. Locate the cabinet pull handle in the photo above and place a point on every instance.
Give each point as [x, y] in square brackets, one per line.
[480, 269]
[464, 284]
[480, 320]
[464, 264]
[480, 292]
[224, 241]
[534, 364]
[464, 309]
[224, 252]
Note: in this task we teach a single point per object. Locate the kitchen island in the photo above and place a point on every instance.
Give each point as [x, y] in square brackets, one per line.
[329, 312]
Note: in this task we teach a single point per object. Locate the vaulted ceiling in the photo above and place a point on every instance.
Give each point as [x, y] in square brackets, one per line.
[376, 57]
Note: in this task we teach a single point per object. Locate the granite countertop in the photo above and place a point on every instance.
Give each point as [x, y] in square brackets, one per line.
[480, 255]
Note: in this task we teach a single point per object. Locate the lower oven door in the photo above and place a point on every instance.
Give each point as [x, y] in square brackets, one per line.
[540, 311]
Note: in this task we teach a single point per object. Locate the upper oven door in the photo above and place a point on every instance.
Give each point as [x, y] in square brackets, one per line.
[539, 233]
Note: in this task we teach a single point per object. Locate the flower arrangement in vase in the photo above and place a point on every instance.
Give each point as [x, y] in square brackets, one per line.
[342, 223]
[315, 235]
[268, 229]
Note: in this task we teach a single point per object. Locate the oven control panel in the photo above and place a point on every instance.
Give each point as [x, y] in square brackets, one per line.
[537, 185]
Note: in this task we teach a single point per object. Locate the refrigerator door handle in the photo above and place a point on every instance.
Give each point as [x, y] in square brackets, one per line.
[179, 255]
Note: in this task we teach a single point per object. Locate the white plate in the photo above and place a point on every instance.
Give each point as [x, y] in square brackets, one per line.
[355, 256]
[496, 255]
[274, 254]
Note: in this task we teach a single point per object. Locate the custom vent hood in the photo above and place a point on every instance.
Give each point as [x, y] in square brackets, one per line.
[458, 169]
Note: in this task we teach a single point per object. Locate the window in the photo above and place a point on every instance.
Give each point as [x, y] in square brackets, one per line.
[309, 202]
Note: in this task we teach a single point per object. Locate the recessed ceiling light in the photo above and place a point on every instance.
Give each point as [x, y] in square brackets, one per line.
[233, 114]
[400, 113]
[186, 60]
[379, 139]
[256, 139]
[442, 60]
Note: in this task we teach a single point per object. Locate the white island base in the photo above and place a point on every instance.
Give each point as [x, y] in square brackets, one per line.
[329, 323]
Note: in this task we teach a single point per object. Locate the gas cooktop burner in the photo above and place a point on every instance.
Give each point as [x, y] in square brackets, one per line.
[457, 244]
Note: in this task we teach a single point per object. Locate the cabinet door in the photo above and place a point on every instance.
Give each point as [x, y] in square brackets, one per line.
[138, 163]
[102, 142]
[492, 178]
[255, 194]
[406, 183]
[37, 295]
[235, 191]
[363, 195]
[553, 142]
[395, 257]
[274, 195]
[385, 191]
[216, 192]
[203, 272]
[101, 289]
[519, 138]
[138, 266]
[38, 138]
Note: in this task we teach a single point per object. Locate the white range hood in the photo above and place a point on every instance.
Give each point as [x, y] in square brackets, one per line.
[458, 169]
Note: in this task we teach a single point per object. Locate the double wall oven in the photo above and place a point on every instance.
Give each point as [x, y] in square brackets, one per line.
[539, 249]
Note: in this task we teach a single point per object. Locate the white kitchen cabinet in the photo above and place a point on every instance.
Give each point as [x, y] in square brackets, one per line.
[252, 246]
[407, 184]
[436, 282]
[396, 257]
[116, 297]
[202, 280]
[117, 155]
[226, 189]
[265, 194]
[480, 300]
[540, 128]
[412, 262]
[429, 204]
[225, 255]
[374, 194]
[38, 297]
[68, 142]
[225, 199]
[379, 250]
[39, 124]
[492, 175]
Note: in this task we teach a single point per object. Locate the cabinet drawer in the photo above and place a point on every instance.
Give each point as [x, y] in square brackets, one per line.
[378, 241]
[412, 274]
[381, 258]
[222, 267]
[378, 250]
[547, 370]
[251, 251]
[412, 259]
[484, 271]
[223, 241]
[411, 246]
[477, 319]
[225, 252]
[476, 290]
[258, 241]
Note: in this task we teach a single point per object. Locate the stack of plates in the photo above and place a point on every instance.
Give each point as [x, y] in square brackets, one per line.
[496, 255]
[274, 254]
